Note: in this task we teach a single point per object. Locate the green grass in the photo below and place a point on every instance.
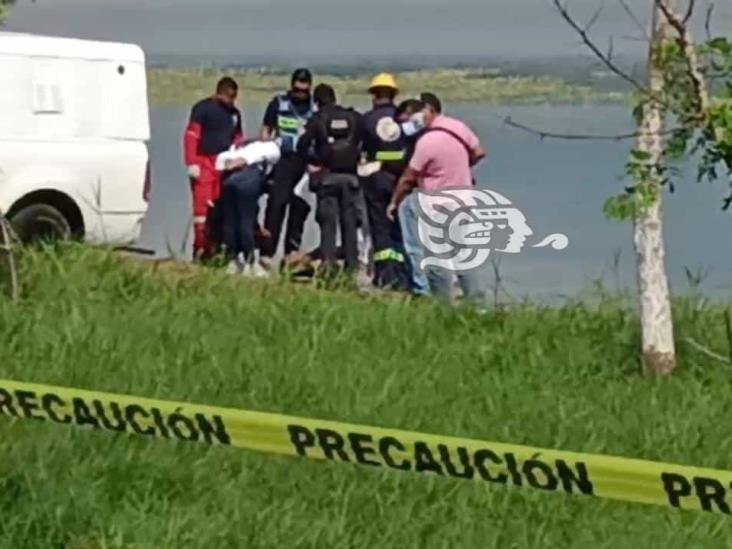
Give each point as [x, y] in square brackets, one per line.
[183, 86]
[564, 377]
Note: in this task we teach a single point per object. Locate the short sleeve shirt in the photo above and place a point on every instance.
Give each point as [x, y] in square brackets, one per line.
[220, 125]
[442, 161]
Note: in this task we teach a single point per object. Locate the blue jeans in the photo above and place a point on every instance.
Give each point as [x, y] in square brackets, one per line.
[240, 209]
[412, 245]
[474, 284]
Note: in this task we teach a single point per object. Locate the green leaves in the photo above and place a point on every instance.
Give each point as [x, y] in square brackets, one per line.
[619, 208]
[720, 44]
[716, 143]
[634, 201]
[719, 52]
[639, 155]
[668, 54]
[678, 143]
[704, 133]
[4, 9]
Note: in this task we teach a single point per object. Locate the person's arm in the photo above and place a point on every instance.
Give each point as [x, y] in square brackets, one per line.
[269, 123]
[477, 155]
[239, 135]
[360, 130]
[361, 121]
[477, 152]
[410, 178]
[230, 160]
[407, 182]
[235, 164]
[192, 140]
[307, 139]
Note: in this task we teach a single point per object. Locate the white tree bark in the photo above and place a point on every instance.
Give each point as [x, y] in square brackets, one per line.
[655, 302]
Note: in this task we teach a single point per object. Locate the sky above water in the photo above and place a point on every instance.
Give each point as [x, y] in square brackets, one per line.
[344, 32]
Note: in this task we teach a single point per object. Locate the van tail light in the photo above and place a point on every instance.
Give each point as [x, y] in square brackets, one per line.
[147, 187]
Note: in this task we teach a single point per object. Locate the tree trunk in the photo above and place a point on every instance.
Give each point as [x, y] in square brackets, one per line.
[659, 355]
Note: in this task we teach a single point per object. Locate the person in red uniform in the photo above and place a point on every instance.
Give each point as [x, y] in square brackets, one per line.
[215, 125]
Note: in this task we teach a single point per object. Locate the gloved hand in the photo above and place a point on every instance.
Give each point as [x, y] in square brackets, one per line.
[194, 171]
[367, 169]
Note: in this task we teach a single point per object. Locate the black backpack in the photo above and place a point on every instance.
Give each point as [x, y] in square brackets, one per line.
[341, 150]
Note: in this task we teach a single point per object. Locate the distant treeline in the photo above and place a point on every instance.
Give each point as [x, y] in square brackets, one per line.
[174, 86]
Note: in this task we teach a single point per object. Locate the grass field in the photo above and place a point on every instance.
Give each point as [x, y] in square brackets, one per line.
[563, 377]
[182, 86]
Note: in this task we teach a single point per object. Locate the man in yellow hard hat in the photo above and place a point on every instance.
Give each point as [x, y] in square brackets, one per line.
[385, 150]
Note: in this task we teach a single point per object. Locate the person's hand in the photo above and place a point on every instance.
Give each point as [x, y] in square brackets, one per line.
[239, 163]
[262, 232]
[194, 171]
[391, 211]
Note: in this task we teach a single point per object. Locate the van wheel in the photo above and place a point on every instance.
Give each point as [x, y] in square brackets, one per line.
[40, 223]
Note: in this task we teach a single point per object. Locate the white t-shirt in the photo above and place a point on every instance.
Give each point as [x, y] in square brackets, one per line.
[258, 152]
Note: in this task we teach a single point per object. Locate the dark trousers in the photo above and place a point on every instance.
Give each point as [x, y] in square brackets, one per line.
[337, 197]
[287, 174]
[239, 206]
[389, 263]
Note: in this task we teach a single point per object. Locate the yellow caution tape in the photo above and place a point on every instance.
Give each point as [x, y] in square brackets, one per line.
[491, 462]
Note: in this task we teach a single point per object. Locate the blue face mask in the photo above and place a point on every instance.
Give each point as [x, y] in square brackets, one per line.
[414, 125]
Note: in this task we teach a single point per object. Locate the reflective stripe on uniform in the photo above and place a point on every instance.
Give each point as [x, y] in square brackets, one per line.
[199, 219]
[389, 255]
[288, 123]
[389, 156]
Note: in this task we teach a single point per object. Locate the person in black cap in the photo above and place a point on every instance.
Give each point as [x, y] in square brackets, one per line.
[285, 118]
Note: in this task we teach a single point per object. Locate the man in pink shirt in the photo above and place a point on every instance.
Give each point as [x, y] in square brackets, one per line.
[444, 153]
[446, 149]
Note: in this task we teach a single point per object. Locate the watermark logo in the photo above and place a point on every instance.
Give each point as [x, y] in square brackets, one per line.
[459, 228]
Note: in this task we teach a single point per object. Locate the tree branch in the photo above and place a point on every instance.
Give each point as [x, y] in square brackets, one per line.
[727, 202]
[545, 134]
[674, 21]
[708, 21]
[635, 19]
[686, 44]
[594, 18]
[711, 77]
[689, 12]
[708, 352]
[607, 61]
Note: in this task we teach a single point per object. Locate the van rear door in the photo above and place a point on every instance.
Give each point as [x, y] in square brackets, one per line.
[124, 123]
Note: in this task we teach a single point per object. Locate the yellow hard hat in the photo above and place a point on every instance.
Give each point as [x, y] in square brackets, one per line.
[384, 80]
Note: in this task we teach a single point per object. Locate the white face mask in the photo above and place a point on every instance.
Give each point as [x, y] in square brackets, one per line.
[414, 125]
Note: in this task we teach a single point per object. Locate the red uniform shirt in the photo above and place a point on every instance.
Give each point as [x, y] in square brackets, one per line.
[213, 128]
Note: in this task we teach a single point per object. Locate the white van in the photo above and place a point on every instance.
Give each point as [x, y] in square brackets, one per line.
[74, 127]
